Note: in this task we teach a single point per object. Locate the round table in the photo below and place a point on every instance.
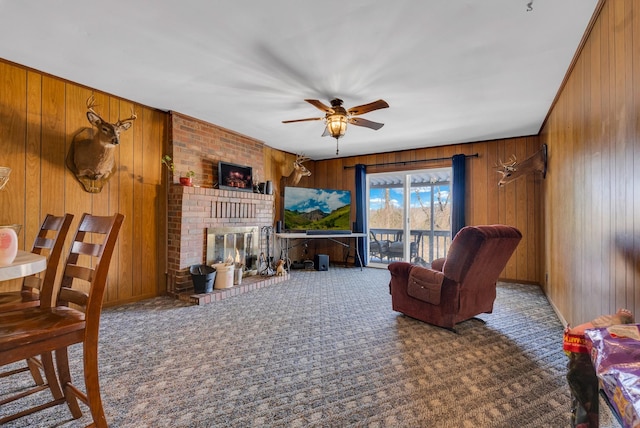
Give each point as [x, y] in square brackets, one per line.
[25, 264]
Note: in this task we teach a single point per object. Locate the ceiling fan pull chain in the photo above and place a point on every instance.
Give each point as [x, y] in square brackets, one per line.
[337, 147]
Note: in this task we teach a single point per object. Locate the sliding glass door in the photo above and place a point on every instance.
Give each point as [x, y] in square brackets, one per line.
[409, 216]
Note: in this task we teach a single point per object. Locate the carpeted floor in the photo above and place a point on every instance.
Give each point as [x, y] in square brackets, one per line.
[324, 349]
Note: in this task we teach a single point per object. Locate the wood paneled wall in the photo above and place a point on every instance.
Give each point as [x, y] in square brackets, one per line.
[39, 116]
[517, 204]
[592, 195]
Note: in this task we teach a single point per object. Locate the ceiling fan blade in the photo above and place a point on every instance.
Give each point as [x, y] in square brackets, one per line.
[358, 121]
[365, 108]
[320, 105]
[303, 120]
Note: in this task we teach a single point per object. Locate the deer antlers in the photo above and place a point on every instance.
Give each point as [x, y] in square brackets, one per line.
[300, 159]
[91, 103]
[510, 166]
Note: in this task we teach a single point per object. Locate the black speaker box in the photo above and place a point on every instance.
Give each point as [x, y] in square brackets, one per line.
[321, 262]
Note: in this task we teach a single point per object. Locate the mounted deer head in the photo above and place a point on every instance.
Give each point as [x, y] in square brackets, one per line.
[536, 163]
[298, 172]
[91, 155]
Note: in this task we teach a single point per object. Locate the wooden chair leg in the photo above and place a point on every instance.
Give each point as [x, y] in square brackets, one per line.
[62, 361]
[34, 367]
[92, 384]
[50, 374]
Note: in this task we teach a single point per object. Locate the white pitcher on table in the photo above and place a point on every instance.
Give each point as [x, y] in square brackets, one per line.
[8, 246]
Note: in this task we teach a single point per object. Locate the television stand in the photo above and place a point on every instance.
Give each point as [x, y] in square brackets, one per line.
[333, 237]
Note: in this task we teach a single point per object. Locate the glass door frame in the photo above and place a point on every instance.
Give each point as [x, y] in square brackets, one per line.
[406, 230]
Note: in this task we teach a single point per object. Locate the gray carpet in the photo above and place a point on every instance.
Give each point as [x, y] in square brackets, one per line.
[324, 349]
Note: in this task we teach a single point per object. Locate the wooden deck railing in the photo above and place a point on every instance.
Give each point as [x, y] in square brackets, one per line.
[387, 244]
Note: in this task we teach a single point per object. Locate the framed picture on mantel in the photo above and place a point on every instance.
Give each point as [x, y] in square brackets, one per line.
[235, 177]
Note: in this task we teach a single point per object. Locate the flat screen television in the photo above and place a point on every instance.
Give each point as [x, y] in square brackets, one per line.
[308, 209]
[235, 177]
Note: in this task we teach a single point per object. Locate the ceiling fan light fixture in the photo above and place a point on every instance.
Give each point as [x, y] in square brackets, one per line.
[336, 117]
[336, 125]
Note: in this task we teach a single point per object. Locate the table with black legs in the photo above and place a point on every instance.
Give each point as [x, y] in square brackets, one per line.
[351, 240]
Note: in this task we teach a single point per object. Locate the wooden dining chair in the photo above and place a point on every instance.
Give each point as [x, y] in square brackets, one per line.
[41, 330]
[49, 242]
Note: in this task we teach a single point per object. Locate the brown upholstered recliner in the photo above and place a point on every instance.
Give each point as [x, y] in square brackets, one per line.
[460, 286]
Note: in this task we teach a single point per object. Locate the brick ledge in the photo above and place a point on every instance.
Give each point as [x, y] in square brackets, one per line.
[248, 284]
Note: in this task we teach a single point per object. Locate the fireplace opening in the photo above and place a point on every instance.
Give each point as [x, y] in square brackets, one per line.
[237, 244]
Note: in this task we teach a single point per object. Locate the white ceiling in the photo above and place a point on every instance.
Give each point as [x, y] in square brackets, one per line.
[453, 71]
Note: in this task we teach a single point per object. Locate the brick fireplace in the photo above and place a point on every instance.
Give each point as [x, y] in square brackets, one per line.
[192, 211]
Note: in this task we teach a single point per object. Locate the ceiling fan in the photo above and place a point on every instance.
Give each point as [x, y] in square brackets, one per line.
[337, 117]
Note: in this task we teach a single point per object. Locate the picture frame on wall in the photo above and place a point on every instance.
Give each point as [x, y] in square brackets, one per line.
[235, 177]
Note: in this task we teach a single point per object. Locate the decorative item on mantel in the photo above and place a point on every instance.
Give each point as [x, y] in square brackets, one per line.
[235, 177]
[264, 188]
[268, 187]
[186, 179]
[256, 184]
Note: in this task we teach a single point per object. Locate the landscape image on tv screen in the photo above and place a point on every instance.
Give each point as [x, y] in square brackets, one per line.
[316, 209]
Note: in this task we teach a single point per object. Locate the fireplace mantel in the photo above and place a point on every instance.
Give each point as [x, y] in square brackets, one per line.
[193, 210]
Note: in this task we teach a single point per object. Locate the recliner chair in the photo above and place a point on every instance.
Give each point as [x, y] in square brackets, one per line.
[460, 286]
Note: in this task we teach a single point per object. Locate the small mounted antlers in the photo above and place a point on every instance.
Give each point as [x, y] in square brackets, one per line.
[536, 163]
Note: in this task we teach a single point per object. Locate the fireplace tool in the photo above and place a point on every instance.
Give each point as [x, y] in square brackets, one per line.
[265, 267]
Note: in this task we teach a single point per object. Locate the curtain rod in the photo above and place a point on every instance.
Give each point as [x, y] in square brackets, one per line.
[410, 162]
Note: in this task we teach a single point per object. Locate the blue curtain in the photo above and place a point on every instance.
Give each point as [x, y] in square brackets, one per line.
[360, 225]
[457, 208]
